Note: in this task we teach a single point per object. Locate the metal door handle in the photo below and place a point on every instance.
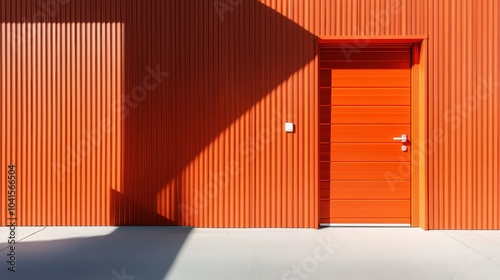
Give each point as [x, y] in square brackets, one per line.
[403, 138]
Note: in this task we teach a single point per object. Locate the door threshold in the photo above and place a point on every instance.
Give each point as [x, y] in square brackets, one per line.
[364, 225]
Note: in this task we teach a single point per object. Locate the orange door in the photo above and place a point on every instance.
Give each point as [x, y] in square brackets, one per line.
[364, 105]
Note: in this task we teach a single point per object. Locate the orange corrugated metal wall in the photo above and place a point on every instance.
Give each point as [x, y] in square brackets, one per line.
[464, 77]
[197, 138]
[61, 80]
[204, 144]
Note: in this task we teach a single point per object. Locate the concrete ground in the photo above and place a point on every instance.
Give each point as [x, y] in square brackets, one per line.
[134, 253]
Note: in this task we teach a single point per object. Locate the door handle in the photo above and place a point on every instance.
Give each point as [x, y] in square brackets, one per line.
[403, 138]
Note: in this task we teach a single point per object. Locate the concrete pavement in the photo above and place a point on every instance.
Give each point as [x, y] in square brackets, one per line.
[153, 253]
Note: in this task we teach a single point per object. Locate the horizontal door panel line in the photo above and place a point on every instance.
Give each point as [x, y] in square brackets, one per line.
[373, 86]
[368, 56]
[372, 106]
[389, 49]
[373, 48]
[367, 87]
[401, 195]
[365, 181]
[369, 200]
[363, 61]
[370, 124]
[386, 48]
[370, 88]
[344, 123]
[401, 222]
[353, 196]
[372, 161]
[405, 197]
[388, 142]
[378, 217]
[366, 144]
[400, 52]
[364, 161]
[356, 105]
[363, 200]
[340, 186]
[363, 225]
[323, 76]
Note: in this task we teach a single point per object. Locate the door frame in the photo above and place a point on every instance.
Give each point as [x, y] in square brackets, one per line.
[419, 119]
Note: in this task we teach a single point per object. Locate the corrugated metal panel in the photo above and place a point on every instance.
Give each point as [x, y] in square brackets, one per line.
[59, 79]
[237, 167]
[368, 17]
[202, 145]
[463, 106]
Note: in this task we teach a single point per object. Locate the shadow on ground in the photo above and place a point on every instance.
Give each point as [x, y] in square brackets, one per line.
[125, 254]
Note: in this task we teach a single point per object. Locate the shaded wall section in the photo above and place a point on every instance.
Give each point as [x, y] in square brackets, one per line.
[208, 148]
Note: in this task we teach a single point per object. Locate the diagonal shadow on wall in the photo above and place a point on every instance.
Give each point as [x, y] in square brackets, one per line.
[222, 58]
[221, 61]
